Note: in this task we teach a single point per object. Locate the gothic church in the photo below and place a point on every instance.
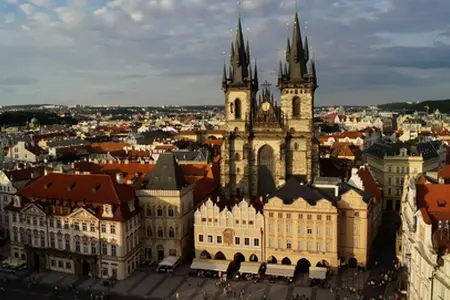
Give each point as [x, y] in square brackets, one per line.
[267, 141]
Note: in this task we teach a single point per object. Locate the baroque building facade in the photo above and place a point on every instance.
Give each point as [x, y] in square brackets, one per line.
[267, 142]
[77, 223]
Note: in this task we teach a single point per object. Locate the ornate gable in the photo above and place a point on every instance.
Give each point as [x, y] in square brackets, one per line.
[82, 213]
[33, 209]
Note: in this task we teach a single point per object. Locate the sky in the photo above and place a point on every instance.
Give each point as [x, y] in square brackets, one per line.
[155, 52]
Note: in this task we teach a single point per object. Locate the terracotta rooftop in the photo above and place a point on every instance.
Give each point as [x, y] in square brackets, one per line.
[81, 190]
[108, 147]
[369, 183]
[433, 201]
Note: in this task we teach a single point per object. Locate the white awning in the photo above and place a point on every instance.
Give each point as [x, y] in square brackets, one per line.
[210, 265]
[250, 267]
[317, 273]
[169, 261]
[280, 270]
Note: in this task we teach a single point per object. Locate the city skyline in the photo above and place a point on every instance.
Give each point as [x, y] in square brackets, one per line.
[172, 51]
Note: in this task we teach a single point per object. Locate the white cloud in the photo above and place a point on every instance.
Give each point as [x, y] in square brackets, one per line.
[137, 16]
[180, 44]
[41, 2]
[12, 1]
[10, 18]
[27, 8]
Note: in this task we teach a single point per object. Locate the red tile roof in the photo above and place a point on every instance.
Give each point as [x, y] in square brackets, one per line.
[70, 190]
[433, 201]
[108, 147]
[205, 175]
[444, 172]
[369, 182]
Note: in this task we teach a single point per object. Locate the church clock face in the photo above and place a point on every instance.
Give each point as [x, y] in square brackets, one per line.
[266, 106]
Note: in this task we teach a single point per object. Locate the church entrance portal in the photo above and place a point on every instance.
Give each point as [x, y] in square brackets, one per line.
[266, 171]
[86, 268]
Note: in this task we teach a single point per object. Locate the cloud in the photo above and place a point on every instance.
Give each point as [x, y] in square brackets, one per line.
[27, 8]
[110, 93]
[366, 51]
[17, 81]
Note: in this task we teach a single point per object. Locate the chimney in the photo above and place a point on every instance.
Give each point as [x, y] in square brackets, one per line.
[119, 178]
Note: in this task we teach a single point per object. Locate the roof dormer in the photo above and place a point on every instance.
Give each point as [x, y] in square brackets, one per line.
[107, 211]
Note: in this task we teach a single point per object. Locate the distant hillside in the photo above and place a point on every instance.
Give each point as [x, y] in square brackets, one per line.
[442, 105]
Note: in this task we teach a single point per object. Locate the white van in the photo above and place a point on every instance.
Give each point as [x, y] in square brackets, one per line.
[168, 264]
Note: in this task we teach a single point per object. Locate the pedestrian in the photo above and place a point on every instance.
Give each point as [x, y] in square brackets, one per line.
[177, 295]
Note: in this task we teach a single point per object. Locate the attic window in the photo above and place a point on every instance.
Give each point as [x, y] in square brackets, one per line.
[47, 185]
[96, 188]
[441, 203]
[70, 187]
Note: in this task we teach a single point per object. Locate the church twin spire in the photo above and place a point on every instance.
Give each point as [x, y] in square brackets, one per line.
[295, 71]
[240, 71]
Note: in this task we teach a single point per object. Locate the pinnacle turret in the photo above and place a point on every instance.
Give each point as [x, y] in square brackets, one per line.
[297, 57]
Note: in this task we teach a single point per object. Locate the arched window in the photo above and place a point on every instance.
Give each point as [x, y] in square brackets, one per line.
[170, 211]
[149, 231]
[160, 232]
[296, 107]
[237, 109]
[171, 232]
[160, 211]
[237, 157]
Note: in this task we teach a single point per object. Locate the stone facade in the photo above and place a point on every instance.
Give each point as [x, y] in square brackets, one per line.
[266, 142]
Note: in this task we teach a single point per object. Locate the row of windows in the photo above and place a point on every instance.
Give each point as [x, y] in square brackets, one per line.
[300, 216]
[300, 229]
[161, 232]
[237, 222]
[308, 246]
[398, 180]
[160, 211]
[57, 223]
[237, 240]
[401, 169]
[59, 243]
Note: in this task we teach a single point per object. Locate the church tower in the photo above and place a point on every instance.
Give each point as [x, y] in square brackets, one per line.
[297, 84]
[267, 141]
[240, 86]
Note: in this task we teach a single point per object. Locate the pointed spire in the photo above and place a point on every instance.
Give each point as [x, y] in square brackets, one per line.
[256, 75]
[313, 72]
[248, 51]
[296, 39]
[280, 70]
[232, 51]
[288, 50]
[250, 71]
[224, 75]
[286, 69]
[306, 46]
[230, 72]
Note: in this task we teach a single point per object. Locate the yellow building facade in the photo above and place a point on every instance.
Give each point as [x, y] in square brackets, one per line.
[228, 233]
[391, 162]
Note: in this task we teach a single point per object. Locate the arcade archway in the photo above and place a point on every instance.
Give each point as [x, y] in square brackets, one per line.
[220, 256]
[272, 260]
[205, 255]
[353, 262]
[239, 257]
[303, 266]
[286, 261]
[253, 258]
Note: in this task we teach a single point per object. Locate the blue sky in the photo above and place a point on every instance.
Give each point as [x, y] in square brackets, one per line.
[171, 51]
